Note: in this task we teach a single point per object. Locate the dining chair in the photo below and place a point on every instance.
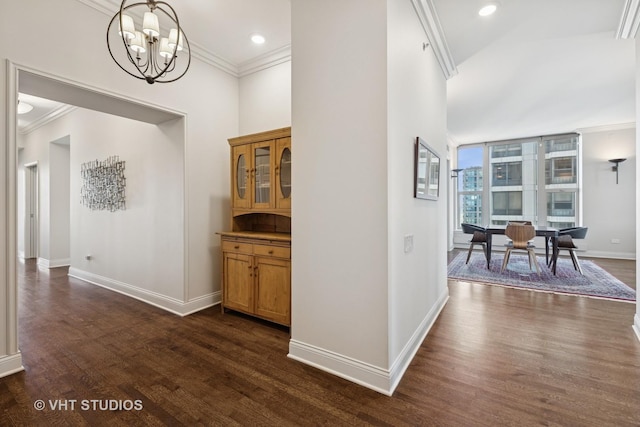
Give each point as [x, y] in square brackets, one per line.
[479, 238]
[517, 223]
[521, 236]
[565, 241]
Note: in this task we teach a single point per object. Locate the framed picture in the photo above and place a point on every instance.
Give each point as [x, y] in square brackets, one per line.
[426, 171]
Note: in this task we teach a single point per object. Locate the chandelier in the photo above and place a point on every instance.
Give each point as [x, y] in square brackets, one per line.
[147, 54]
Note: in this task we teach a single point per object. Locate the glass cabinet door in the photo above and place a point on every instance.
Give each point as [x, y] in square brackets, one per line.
[262, 175]
[241, 177]
[283, 173]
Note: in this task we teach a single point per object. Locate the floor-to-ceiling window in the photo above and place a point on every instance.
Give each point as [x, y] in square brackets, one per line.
[531, 179]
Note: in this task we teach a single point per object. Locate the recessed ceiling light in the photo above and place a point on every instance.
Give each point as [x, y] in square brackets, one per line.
[257, 39]
[488, 9]
[24, 108]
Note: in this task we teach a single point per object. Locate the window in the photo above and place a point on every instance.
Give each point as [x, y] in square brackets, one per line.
[523, 175]
[506, 150]
[506, 174]
[470, 184]
[560, 170]
[561, 209]
[507, 203]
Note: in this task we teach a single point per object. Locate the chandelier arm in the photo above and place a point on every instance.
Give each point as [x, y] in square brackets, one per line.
[186, 42]
[135, 61]
[163, 70]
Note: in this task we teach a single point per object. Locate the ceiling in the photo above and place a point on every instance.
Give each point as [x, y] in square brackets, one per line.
[532, 68]
[536, 67]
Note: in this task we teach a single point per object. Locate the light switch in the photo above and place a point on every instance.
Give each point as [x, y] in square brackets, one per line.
[408, 243]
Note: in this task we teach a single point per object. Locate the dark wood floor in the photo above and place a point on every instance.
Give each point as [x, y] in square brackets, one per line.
[496, 356]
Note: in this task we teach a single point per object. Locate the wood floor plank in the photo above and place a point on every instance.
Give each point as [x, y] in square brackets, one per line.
[495, 356]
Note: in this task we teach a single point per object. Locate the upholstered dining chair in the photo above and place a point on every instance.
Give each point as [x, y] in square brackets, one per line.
[479, 238]
[520, 235]
[565, 241]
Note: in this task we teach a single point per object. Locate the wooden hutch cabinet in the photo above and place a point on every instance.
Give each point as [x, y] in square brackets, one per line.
[256, 253]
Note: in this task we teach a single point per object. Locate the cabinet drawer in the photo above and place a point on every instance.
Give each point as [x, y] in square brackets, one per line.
[274, 251]
[230, 246]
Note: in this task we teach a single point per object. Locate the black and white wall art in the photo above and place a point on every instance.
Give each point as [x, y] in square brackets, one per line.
[103, 184]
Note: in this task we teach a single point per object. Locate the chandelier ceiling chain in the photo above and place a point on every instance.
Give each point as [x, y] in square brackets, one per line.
[149, 56]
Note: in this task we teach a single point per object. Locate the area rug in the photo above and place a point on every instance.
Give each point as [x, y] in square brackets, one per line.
[595, 282]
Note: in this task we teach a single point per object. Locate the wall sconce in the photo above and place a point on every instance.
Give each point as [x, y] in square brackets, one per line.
[455, 172]
[614, 168]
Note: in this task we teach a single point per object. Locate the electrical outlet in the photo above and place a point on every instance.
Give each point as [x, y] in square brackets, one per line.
[615, 241]
[408, 243]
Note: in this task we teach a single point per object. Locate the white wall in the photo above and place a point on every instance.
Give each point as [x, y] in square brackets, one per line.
[51, 151]
[141, 248]
[206, 95]
[37, 150]
[59, 203]
[636, 322]
[417, 107]
[609, 209]
[339, 211]
[361, 306]
[265, 99]
[139, 251]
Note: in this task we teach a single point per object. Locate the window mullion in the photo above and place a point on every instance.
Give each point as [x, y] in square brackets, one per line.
[541, 219]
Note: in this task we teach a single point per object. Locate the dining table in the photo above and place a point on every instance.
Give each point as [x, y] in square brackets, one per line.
[550, 235]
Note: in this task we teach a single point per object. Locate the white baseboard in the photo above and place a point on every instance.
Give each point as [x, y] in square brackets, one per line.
[350, 369]
[53, 263]
[173, 305]
[21, 255]
[402, 362]
[612, 255]
[636, 325]
[379, 379]
[10, 364]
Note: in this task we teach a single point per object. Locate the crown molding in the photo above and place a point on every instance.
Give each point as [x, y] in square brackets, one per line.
[267, 60]
[629, 21]
[607, 128]
[208, 57]
[426, 12]
[99, 6]
[197, 51]
[48, 118]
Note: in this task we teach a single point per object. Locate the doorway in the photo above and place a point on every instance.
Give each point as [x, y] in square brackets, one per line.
[31, 220]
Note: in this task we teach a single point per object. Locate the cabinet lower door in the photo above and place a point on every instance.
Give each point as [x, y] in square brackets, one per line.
[237, 293]
[273, 290]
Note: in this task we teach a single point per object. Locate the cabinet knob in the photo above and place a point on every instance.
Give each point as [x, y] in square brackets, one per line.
[270, 251]
[236, 247]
